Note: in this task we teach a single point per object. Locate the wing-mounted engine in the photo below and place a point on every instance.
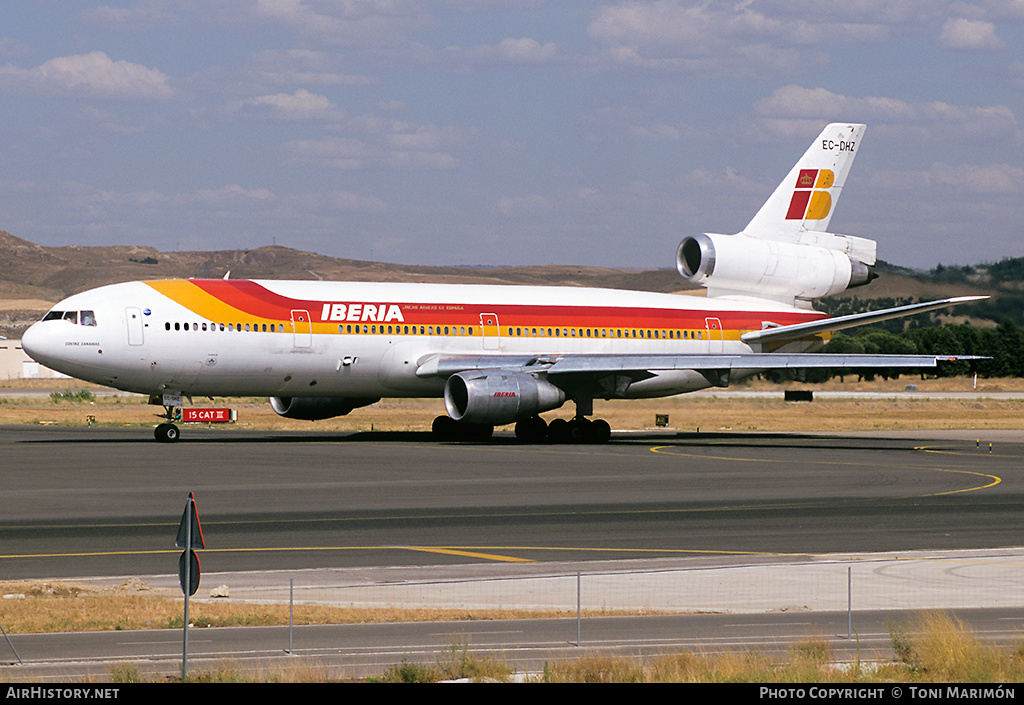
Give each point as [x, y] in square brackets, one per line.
[776, 269]
[316, 408]
[497, 397]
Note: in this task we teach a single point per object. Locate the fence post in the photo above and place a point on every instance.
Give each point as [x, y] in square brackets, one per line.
[578, 609]
[849, 602]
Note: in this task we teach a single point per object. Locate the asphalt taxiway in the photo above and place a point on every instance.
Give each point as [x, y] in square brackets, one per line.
[99, 501]
[348, 510]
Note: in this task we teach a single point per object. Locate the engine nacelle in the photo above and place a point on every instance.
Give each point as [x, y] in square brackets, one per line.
[740, 264]
[316, 408]
[497, 398]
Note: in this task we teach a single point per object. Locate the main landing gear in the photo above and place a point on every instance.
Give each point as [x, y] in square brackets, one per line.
[531, 430]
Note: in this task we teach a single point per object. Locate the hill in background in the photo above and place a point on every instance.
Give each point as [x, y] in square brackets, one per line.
[33, 277]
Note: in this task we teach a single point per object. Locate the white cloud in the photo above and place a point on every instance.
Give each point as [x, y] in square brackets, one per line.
[364, 22]
[93, 75]
[378, 142]
[303, 67]
[232, 194]
[517, 51]
[927, 118]
[300, 105]
[991, 179]
[970, 35]
[530, 204]
[727, 36]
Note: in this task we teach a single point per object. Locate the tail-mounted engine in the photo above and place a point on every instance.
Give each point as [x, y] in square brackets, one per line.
[316, 408]
[496, 398]
[777, 269]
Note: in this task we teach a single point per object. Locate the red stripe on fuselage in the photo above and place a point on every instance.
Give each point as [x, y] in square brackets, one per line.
[254, 299]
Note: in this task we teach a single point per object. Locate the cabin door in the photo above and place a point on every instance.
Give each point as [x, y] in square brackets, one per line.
[302, 328]
[492, 334]
[133, 318]
[713, 330]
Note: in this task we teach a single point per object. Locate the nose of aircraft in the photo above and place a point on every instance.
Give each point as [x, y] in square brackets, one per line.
[36, 343]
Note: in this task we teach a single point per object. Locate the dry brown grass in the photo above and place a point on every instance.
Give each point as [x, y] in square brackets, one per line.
[38, 607]
[686, 412]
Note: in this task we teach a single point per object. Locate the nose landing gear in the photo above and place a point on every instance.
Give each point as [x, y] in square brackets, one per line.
[168, 432]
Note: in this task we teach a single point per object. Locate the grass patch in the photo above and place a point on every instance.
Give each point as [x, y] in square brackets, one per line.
[59, 607]
[686, 412]
[932, 647]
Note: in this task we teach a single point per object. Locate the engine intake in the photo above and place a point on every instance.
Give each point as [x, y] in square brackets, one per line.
[316, 408]
[498, 398]
[740, 264]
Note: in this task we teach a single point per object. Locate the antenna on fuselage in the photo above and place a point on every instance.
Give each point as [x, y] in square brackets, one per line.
[227, 274]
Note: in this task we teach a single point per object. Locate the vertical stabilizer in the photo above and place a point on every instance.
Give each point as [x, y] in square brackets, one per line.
[807, 197]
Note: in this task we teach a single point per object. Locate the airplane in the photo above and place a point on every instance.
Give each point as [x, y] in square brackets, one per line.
[498, 355]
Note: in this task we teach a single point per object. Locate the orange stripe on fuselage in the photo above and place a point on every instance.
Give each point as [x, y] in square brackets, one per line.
[244, 301]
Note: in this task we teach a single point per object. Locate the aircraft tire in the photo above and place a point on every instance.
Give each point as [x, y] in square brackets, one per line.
[558, 431]
[600, 431]
[579, 430]
[532, 430]
[474, 431]
[167, 433]
[444, 428]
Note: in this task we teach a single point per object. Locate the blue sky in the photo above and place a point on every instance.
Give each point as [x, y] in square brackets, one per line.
[504, 132]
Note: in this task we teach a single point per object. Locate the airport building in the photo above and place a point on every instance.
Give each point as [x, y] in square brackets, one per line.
[16, 364]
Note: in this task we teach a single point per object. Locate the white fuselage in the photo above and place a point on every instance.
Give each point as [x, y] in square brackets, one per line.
[366, 340]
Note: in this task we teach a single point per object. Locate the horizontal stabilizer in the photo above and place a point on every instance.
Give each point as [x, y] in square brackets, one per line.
[780, 334]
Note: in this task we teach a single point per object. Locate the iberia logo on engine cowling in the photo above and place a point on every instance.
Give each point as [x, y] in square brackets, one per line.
[811, 199]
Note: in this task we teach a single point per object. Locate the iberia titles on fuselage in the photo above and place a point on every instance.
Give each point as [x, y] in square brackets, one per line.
[497, 354]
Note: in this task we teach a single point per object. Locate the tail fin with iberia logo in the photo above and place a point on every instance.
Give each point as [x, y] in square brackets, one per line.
[806, 199]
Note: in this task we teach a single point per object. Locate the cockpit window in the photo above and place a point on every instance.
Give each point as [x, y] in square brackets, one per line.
[88, 318]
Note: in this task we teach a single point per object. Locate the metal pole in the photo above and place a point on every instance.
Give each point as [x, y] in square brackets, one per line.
[11, 645]
[187, 586]
[578, 609]
[291, 611]
[849, 602]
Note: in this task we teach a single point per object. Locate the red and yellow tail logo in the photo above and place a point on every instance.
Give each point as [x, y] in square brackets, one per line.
[811, 200]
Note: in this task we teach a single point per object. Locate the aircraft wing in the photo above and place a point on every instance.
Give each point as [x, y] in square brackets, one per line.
[716, 368]
[781, 334]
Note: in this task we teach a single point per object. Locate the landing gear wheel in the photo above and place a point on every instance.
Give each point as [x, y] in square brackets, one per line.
[532, 430]
[446, 428]
[558, 431]
[167, 433]
[579, 430]
[600, 431]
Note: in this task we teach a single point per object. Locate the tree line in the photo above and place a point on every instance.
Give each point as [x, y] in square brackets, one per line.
[1003, 345]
